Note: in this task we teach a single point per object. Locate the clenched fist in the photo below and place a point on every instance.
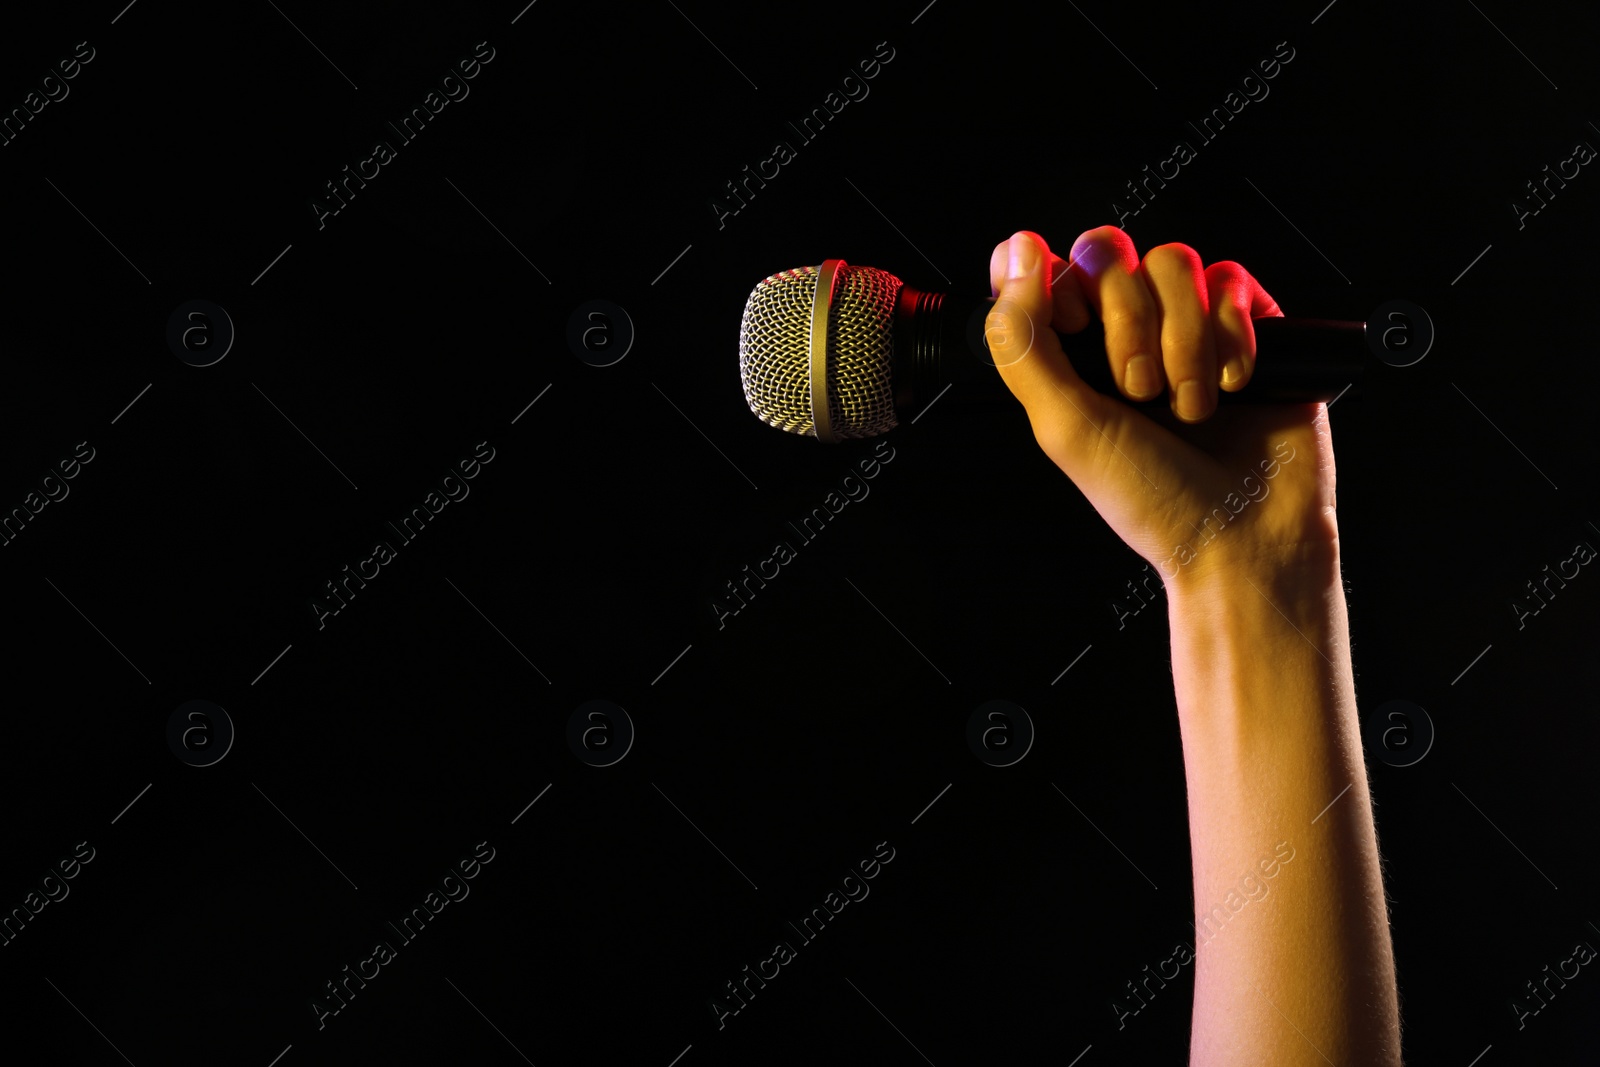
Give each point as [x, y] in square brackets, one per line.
[1186, 490]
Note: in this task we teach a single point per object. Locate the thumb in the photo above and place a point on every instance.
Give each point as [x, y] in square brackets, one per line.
[1063, 410]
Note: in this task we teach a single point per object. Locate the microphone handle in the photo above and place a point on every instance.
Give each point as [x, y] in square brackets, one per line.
[938, 342]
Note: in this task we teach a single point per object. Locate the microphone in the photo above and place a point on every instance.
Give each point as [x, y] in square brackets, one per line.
[837, 352]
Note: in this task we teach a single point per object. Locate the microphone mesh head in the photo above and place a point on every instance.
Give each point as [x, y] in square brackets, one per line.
[775, 353]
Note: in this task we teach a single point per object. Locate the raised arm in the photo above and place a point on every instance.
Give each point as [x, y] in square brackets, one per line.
[1293, 964]
[1236, 510]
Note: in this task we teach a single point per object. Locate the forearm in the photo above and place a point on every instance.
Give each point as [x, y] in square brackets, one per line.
[1295, 966]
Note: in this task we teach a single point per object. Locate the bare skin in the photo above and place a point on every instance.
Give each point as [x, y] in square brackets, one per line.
[1304, 974]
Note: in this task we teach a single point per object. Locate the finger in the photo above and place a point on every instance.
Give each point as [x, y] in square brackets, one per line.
[1064, 411]
[1188, 352]
[1070, 306]
[1069, 309]
[1106, 268]
[1236, 298]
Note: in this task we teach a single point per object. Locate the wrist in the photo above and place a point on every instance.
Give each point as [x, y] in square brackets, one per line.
[1264, 685]
[1254, 639]
[1277, 575]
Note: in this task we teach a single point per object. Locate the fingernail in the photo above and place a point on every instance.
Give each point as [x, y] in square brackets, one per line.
[1024, 256]
[1140, 377]
[1233, 371]
[1191, 401]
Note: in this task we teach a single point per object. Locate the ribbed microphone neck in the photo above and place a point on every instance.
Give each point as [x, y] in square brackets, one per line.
[919, 337]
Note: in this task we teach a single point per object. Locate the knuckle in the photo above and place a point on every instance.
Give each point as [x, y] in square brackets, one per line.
[1228, 279]
[1102, 235]
[1103, 247]
[1126, 322]
[1184, 338]
[1172, 258]
[1226, 269]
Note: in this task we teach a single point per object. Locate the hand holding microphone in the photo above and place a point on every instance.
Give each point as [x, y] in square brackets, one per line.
[841, 352]
[1259, 631]
[1169, 325]
[1219, 472]
[1158, 476]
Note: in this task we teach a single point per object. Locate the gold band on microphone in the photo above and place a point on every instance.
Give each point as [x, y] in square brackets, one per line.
[821, 304]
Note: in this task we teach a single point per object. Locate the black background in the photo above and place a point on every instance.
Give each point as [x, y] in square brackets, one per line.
[776, 752]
